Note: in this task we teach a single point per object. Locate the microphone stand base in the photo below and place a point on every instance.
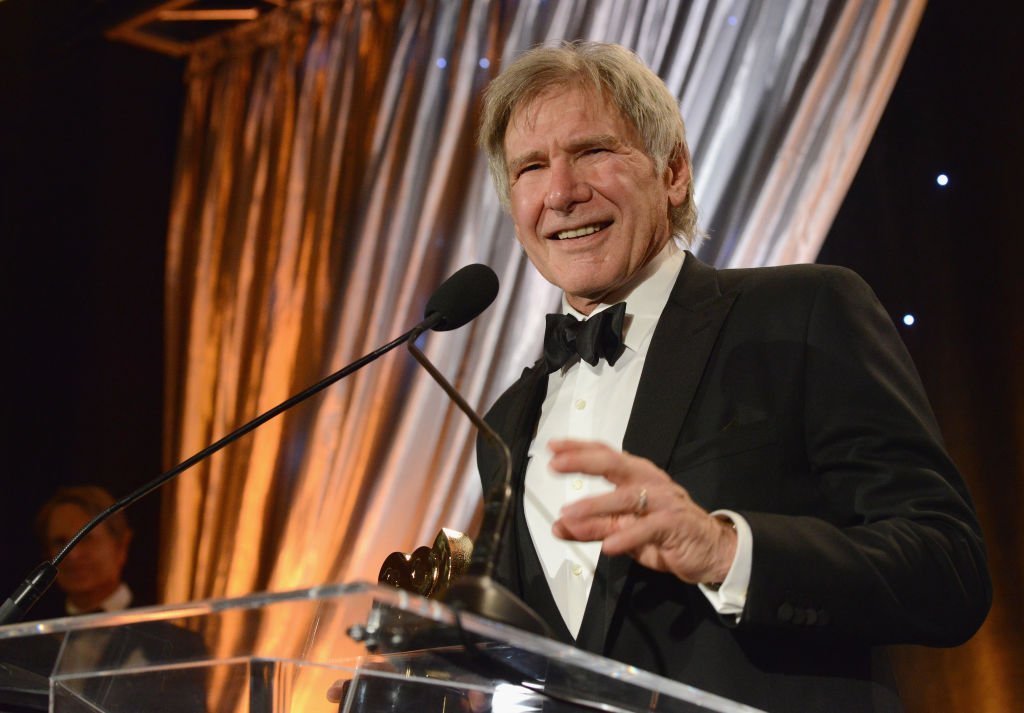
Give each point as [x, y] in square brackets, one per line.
[484, 596]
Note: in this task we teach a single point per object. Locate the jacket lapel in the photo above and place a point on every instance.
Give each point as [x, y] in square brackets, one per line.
[516, 421]
[679, 352]
[680, 347]
[519, 565]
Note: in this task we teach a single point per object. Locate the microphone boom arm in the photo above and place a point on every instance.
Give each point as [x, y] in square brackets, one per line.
[477, 591]
[496, 504]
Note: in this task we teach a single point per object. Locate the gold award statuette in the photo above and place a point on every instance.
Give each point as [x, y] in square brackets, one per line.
[428, 571]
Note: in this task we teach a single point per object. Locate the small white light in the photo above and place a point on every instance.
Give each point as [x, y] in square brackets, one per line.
[942, 179]
[484, 63]
[732, 20]
[442, 62]
[908, 319]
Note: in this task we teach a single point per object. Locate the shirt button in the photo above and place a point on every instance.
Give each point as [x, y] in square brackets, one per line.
[581, 404]
[577, 570]
[577, 484]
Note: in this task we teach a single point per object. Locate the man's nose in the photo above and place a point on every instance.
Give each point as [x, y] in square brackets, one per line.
[565, 189]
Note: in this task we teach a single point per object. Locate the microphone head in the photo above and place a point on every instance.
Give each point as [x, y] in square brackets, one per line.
[462, 297]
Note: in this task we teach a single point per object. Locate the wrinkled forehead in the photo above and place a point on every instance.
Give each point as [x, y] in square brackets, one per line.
[523, 117]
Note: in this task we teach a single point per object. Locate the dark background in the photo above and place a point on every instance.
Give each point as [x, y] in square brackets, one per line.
[87, 149]
[88, 132]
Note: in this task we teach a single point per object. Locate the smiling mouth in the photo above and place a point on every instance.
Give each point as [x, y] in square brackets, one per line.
[578, 232]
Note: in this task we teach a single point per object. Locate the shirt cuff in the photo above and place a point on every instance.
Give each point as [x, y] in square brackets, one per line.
[731, 596]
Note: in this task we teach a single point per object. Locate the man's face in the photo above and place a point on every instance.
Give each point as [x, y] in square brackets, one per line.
[587, 205]
[94, 565]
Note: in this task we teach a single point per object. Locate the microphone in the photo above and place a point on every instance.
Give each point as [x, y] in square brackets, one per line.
[457, 301]
[461, 298]
[465, 295]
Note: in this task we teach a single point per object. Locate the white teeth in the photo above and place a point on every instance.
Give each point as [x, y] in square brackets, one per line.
[578, 232]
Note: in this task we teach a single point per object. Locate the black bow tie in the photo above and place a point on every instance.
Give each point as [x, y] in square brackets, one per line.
[599, 336]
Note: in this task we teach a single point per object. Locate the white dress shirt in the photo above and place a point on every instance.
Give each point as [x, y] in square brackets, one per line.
[594, 403]
[120, 598]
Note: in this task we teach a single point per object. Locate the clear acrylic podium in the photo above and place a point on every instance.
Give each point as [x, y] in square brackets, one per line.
[380, 649]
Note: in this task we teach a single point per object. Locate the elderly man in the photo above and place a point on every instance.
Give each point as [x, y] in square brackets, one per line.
[731, 478]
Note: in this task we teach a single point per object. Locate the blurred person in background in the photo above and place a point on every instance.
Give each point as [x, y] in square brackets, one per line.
[90, 576]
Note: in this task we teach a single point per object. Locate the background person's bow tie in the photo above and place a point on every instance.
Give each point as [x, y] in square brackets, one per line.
[594, 338]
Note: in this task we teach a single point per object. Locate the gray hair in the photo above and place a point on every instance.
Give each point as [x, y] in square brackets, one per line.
[615, 72]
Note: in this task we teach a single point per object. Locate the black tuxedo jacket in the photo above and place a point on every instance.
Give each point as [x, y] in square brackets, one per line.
[784, 394]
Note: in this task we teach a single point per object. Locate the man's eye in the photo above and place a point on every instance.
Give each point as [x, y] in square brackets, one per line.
[525, 169]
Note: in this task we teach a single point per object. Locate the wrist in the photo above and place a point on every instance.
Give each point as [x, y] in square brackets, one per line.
[725, 552]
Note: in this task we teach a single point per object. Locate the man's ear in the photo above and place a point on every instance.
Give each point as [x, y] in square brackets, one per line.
[677, 177]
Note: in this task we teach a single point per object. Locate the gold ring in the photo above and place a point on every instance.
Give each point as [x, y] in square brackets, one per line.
[641, 503]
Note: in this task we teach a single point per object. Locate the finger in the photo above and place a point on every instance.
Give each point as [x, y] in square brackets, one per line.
[593, 458]
[583, 530]
[335, 692]
[625, 500]
[599, 516]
